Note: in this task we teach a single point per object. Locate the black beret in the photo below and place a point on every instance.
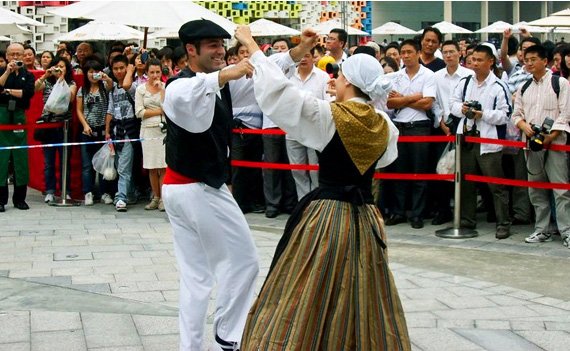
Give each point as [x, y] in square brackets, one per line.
[200, 29]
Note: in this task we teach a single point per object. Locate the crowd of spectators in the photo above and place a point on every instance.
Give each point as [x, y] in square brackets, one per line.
[438, 88]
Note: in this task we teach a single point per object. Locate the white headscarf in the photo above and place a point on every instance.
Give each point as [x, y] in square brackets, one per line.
[366, 73]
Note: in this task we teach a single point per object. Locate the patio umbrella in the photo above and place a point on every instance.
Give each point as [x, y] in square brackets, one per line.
[529, 28]
[167, 33]
[99, 31]
[11, 22]
[557, 19]
[449, 28]
[324, 28]
[267, 28]
[4, 38]
[143, 13]
[392, 28]
[495, 27]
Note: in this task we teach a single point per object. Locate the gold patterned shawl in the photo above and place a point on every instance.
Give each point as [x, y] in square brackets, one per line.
[363, 132]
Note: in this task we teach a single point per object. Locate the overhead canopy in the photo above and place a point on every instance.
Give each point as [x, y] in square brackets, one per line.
[449, 28]
[325, 28]
[99, 31]
[143, 13]
[4, 38]
[495, 27]
[529, 28]
[11, 22]
[392, 28]
[267, 28]
[565, 12]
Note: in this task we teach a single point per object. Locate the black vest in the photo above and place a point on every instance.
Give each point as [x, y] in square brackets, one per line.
[202, 156]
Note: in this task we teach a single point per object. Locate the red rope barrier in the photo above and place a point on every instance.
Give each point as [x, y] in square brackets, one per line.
[31, 126]
[512, 143]
[512, 182]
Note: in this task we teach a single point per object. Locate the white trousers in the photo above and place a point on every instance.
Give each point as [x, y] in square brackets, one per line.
[305, 181]
[213, 245]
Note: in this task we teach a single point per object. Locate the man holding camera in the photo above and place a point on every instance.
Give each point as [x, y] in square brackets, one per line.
[16, 90]
[542, 112]
[485, 102]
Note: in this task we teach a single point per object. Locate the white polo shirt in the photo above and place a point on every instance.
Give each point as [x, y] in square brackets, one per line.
[423, 82]
[445, 84]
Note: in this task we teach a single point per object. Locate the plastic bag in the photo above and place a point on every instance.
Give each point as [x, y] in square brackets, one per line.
[104, 163]
[446, 163]
[59, 98]
[513, 133]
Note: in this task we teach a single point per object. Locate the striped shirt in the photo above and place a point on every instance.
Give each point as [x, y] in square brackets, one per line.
[539, 101]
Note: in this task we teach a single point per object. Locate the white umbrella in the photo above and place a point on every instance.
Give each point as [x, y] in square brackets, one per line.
[529, 28]
[168, 33]
[4, 38]
[552, 21]
[10, 22]
[143, 13]
[324, 28]
[495, 27]
[449, 28]
[267, 28]
[99, 30]
[565, 12]
[392, 28]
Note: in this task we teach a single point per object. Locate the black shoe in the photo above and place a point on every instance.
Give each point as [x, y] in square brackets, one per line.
[258, 209]
[395, 219]
[502, 233]
[467, 225]
[271, 213]
[22, 206]
[442, 218]
[2, 208]
[417, 223]
[517, 221]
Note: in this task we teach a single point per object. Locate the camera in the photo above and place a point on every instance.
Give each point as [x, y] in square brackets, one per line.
[56, 70]
[165, 70]
[536, 142]
[97, 76]
[19, 63]
[162, 126]
[135, 49]
[473, 106]
[144, 57]
[332, 69]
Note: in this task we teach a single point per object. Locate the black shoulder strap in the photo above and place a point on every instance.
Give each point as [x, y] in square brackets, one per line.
[467, 79]
[506, 98]
[526, 85]
[555, 81]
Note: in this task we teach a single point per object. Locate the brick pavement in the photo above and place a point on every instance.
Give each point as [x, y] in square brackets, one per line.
[89, 278]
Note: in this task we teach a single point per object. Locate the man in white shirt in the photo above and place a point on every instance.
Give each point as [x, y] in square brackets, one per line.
[539, 101]
[446, 80]
[413, 95]
[314, 81]
[335, 43]
[488, 122]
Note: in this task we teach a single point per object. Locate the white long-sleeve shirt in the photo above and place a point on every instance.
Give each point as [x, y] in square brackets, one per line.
[304, 117]
[494, 97]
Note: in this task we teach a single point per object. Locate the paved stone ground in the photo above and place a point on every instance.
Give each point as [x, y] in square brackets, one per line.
[89, 278]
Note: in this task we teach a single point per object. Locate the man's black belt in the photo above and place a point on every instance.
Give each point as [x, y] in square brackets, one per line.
[408, 125]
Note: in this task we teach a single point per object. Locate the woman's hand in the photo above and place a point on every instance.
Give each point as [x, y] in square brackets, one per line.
[87, 130]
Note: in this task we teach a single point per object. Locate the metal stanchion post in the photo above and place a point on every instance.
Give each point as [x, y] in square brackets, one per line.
[64, 202]
[456, 232]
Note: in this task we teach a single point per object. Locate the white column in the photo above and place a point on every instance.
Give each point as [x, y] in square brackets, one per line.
[447, 15]
[484, 19]
[516, 12]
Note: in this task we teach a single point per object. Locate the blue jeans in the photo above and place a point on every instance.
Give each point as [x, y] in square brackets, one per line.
[124, 164]
[87, 171]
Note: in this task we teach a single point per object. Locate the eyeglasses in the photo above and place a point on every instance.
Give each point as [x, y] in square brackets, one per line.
[445, 53]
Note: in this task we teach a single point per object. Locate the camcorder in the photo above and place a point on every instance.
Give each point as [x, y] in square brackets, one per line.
[472, 106]
[332, 69]
[536, 142]
[97, 76]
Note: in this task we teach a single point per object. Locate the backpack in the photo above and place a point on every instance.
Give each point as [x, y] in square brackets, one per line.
[554, 81]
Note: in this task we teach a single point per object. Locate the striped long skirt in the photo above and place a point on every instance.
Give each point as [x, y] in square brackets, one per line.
[331, 289]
